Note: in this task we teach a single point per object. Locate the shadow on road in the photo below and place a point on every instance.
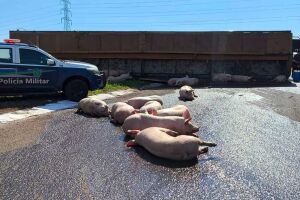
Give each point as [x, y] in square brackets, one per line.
[13, 103]
[144, 154]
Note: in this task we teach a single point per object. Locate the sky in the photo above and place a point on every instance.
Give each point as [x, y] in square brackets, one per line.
[151, 15]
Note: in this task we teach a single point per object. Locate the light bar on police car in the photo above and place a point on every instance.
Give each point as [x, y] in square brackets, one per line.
[12, 41]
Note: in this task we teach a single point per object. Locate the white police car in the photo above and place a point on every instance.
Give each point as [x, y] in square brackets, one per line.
[28, 69]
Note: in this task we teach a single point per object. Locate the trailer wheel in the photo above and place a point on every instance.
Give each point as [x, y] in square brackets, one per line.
[76, 89]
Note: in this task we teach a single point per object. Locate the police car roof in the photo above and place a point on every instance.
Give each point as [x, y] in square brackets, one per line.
[17, 44]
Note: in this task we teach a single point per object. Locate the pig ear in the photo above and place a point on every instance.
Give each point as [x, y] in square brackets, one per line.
[133, 132]
[131, 143]
[186, 114]
[187, 120]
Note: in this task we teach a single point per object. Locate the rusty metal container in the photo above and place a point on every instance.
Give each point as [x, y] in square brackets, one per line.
[178, 53]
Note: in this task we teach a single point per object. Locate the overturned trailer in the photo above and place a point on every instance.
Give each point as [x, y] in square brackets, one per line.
[262, 55]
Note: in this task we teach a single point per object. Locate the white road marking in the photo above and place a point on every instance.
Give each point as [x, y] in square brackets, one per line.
[51, 107]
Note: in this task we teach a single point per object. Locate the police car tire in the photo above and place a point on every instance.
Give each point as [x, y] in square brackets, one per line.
[75, 90]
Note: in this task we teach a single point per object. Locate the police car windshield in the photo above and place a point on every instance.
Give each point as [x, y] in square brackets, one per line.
[48, 54]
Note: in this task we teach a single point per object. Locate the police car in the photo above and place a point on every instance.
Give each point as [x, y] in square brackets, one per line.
[28, 69]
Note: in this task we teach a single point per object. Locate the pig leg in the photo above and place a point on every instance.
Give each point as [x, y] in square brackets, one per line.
[202, 150]
[113, 121]
[209, 144]
[133, 133]
[171, 133]
[194, 135]
[131, 143]
[79, 110]
[194, 94]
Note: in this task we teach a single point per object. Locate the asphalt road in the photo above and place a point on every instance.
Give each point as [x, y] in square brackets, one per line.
[257, 157]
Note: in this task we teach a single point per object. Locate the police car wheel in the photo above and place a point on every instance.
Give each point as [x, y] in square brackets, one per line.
[75, 90]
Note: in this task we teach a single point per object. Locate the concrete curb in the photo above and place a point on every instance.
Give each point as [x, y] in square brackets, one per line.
[52, 107]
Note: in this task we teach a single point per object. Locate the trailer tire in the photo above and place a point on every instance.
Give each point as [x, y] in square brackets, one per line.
[76, 89]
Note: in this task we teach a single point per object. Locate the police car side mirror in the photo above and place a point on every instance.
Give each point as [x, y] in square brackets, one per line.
[50, 62]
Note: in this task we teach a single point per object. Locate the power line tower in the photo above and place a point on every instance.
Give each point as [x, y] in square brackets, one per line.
[67, 15]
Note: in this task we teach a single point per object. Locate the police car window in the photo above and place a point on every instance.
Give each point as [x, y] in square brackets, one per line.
[28, 56]
[6, 55]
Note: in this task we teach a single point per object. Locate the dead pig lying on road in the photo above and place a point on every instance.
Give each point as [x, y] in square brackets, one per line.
[151, 105]
[142, 121]
[120, 111]
[177, 110]
[221, 77]
[138, 102]
[280, 79]
[187, 81]
[169, 144]
[93, 107]
[183, 81]
[122, 77]
[241, 78]
[187, 93]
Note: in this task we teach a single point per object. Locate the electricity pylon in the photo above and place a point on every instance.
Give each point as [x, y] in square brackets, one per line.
[67, 15]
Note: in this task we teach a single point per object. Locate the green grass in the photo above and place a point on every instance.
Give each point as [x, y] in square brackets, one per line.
[110, 87]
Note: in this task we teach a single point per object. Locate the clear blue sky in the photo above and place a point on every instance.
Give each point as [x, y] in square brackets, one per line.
[152, 15]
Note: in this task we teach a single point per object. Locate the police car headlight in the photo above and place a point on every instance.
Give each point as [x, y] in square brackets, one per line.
[95, 72]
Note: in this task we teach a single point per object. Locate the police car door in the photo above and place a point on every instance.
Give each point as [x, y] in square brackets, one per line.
[7, 68]
[33, 69]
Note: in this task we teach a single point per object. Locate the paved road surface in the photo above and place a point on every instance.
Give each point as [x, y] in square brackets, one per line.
[257, 157]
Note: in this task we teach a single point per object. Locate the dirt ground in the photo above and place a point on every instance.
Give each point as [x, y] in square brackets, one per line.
[19, 134]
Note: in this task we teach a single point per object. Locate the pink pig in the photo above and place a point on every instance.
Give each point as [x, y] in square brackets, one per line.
[120, 111]
[138, 102]
[177, 110]
[151, 105]
[169, 144]
[142, 121]
[187, 93]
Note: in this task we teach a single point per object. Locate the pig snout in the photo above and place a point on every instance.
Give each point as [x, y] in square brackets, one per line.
[202, 150]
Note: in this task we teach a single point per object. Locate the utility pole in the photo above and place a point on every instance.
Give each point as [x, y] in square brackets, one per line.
[67, 15]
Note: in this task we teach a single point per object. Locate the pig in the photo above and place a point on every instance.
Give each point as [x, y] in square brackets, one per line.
[187, 93]
[93, 107]
[280, 79]
[177, 110]
[241, 79]
[221, 77]
[115, 72]
[120, 111]
[172, 81]
[151, 105]
[142, 121]
[122, 77]
[187, 81]
[138, 102]
[169, 144]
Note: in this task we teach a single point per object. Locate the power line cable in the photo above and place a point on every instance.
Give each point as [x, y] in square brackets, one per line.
[189, 13]
[197, 21]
